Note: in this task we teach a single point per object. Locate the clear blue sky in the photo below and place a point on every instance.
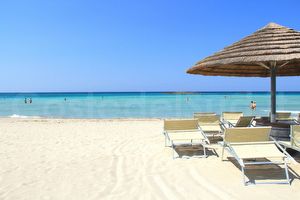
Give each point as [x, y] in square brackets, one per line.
[129, 45]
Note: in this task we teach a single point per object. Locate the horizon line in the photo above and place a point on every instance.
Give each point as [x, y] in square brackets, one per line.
[70, 92]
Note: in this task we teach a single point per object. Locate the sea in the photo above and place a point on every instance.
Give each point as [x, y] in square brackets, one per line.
[140, 104]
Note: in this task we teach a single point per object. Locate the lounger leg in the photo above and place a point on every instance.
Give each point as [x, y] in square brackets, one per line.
[173, 147]
[166, 140]
[286, 171]
[222, 153]
[216, 152]
[243, 174]
[204, 149]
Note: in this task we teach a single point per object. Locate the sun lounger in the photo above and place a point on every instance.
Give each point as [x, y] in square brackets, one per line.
[203, 114]
[231, 117]
[284, 116]
[210, 124]
[183, 132]
[294, 142]
[244, 121]
[246, 145]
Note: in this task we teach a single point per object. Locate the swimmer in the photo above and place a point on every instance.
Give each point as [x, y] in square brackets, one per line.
[253, 105]
[25, 100]
[30, 100]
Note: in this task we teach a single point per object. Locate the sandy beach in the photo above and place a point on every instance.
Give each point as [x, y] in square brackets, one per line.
[116, 159]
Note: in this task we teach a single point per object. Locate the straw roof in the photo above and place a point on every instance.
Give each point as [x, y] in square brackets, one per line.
[252, 56]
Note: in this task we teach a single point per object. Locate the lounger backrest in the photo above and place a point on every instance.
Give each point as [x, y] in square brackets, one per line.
[231, 115]
[255, 134]
[283, 115]
[209, 120]
[184, 124]
[244, 121]
[295, 133]
[203, 114]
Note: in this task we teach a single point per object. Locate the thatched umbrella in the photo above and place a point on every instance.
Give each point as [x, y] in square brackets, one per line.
[271, 51]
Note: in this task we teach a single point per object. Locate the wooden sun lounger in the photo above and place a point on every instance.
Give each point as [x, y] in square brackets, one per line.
[231, 117]
[182, 132]
[294, 142]
[248, 144]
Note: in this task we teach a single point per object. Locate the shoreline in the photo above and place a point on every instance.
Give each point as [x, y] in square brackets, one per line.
[85, 119]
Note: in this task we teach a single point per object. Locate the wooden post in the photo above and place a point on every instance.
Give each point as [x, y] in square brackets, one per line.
[273, 93]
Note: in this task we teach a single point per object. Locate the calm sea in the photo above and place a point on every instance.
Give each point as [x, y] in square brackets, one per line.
[140, 105]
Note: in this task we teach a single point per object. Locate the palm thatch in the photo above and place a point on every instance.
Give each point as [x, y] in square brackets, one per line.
[272, 46]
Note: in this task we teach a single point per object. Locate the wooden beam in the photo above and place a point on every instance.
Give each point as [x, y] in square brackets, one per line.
[283, 64]
[263, 65]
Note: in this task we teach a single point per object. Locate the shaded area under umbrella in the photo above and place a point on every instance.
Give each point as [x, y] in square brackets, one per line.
[273, 50]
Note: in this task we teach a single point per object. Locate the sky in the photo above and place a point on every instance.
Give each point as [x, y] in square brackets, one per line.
[129, 45]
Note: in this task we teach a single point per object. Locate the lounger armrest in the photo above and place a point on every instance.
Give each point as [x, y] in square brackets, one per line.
[233, 153]
[228, 123]
[223, 127]
[297, 122]
[204, 135]
[283, 150]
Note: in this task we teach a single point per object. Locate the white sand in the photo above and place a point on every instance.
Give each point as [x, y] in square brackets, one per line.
[114, 159]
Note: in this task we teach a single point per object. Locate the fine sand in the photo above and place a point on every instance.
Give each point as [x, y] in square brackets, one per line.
[117, 159]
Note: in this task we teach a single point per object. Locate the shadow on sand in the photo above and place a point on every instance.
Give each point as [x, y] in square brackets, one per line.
[265, 173]
[194, 151]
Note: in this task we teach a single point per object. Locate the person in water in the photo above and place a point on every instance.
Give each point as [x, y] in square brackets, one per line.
[30, 100]
[253, 105]
[25, 100]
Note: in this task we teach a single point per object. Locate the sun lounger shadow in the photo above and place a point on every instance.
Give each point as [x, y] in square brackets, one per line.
[295, 154]
[264, 173]
[193, 151]
[215, 139]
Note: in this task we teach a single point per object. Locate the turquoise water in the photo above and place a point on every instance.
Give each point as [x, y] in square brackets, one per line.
[140, 105]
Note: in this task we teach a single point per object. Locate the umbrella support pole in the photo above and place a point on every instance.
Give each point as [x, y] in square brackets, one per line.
[273, 94]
